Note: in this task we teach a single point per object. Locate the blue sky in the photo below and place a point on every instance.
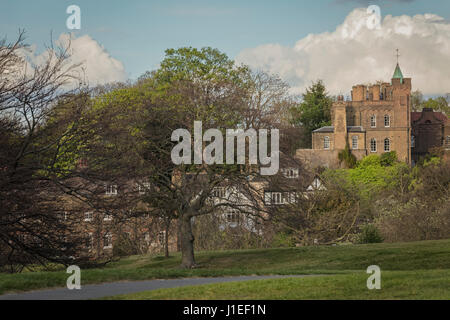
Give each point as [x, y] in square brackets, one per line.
[137, 32]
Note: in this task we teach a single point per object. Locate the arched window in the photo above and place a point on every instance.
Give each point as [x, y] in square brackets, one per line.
[373, 145]
[326, 142]
[387, 145]
[355, 142]
[373, 121]
[387, 121]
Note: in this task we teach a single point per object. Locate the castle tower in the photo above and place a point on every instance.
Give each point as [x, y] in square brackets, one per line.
[340, 124]
[401, 96]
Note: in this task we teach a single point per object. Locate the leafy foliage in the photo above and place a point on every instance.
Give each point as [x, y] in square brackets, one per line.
[369, 234]
[314, 112]
[347, 157]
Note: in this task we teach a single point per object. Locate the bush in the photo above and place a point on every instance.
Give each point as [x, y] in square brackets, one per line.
[388, 159]
[283, 240]
[369, 234]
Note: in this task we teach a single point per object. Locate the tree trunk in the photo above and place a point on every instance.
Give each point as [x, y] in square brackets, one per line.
[166, 238]
[187, 243]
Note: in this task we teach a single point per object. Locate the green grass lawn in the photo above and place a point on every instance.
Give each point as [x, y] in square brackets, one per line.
[422, 284]
[345, 260]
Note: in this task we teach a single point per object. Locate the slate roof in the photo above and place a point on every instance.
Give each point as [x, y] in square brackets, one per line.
[349, 129]
[325, 129]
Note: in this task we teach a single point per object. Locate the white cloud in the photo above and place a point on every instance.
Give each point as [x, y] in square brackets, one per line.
[354, 53]
[98, 66]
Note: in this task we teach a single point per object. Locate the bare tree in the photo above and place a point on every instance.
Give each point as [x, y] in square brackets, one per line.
[31, 228]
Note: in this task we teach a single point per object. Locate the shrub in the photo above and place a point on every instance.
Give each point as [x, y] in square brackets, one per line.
[369, 234]
[388, 159]
[282, 240]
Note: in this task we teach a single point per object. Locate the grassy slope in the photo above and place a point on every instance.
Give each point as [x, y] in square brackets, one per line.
[424, 255]
[423, 284]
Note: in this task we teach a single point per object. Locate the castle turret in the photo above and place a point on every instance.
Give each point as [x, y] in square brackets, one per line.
[401, 93]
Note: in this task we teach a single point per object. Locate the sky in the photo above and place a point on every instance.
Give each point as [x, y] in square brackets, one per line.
[300, 40]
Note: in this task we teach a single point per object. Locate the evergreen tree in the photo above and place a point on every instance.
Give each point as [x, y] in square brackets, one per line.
[314, 112]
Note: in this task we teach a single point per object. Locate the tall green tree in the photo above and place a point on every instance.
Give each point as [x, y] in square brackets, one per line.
[192, 85]
[314, 112]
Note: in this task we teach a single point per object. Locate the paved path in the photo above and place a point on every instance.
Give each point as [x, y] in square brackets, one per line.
[93, 291]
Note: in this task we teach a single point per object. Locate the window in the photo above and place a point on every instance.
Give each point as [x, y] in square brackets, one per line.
[162, 238]
[219, 192]
[387, 121]
[413, 141]
[291, 173]
[326, 143]
[90, 241]
[387, 145]
[144, 187]
[107, 217]
[373, 145]
[111, 189]
[355, 142]
[63, 216]
[447, 142]
[233, 216]
[373, 121]
[277, 198]
[88, 216]
[107, 241]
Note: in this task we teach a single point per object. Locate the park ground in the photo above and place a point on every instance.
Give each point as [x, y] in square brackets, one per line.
[413, 270]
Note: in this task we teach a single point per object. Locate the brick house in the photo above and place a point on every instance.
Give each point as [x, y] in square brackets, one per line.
[429, 130]
[376, 120]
